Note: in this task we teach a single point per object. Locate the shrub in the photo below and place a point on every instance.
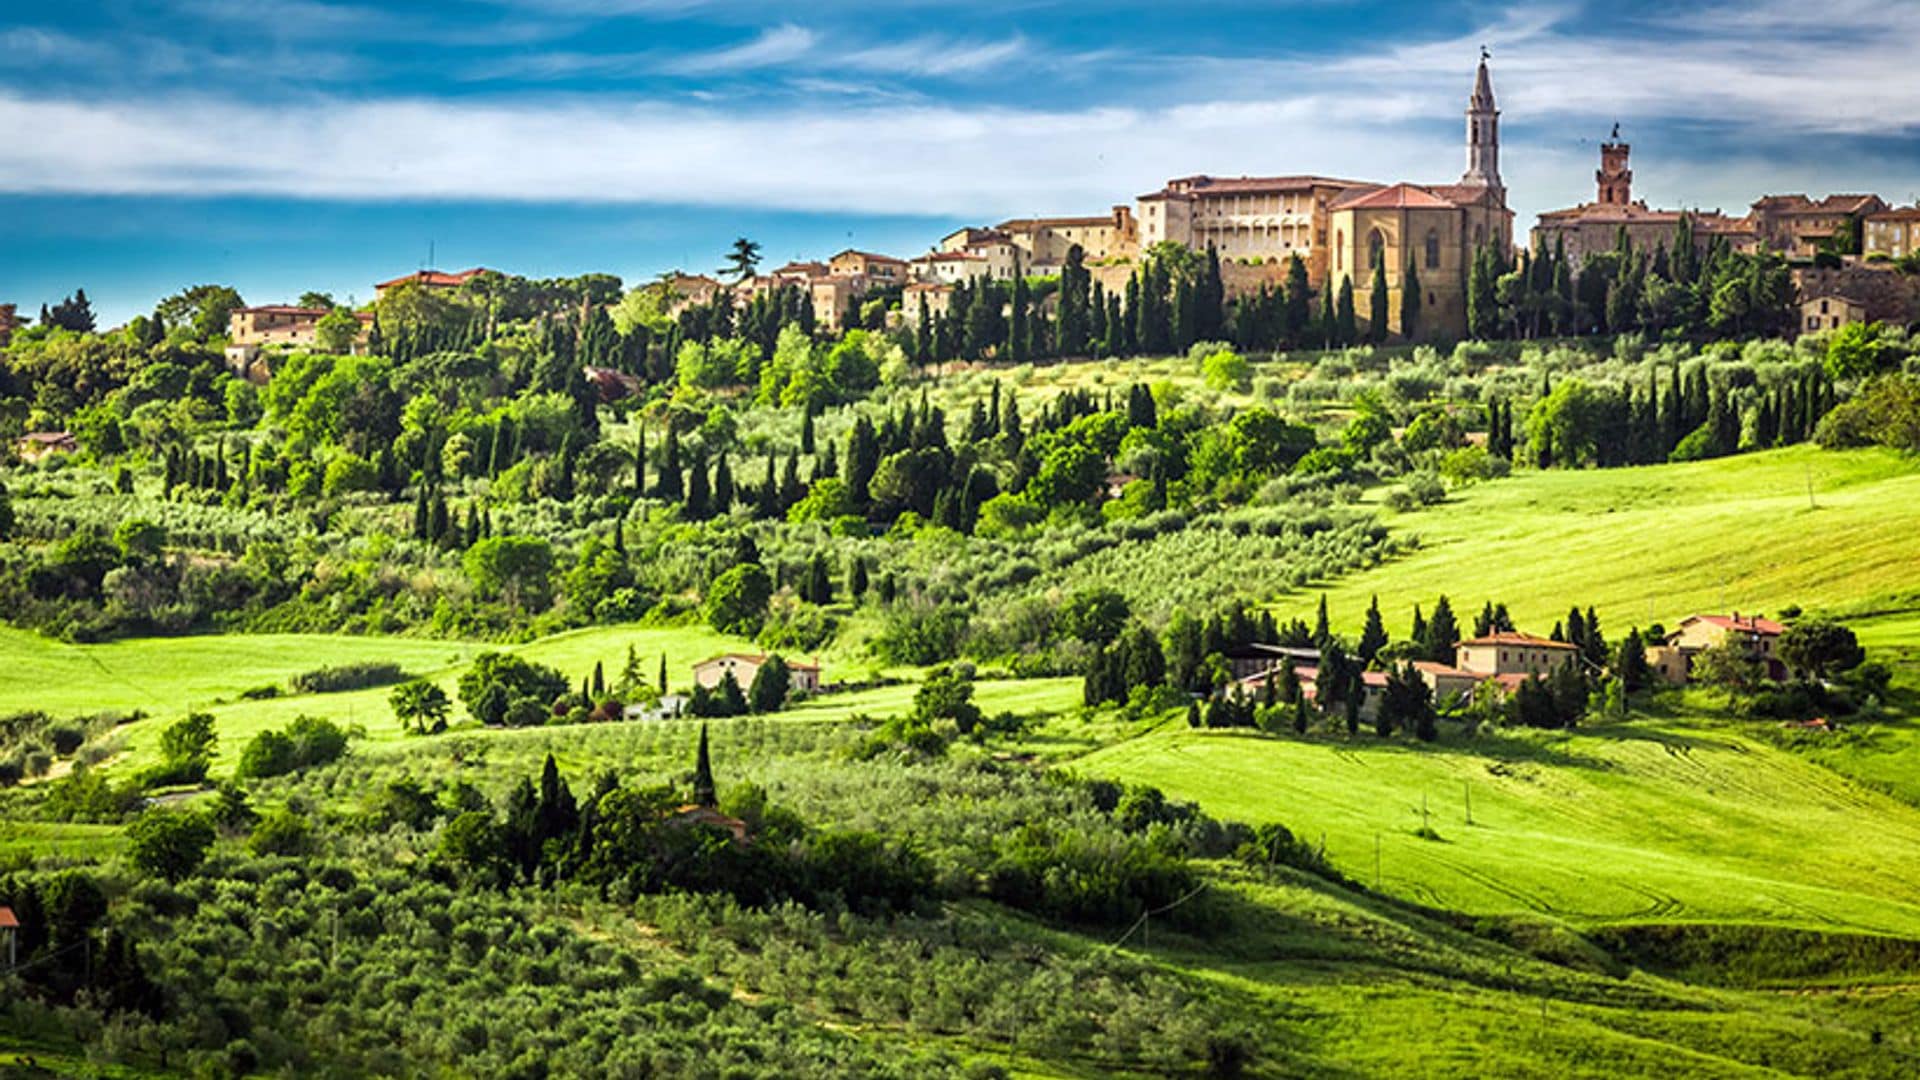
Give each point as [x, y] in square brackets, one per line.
[358, 676]
[500, 685]
[307, 741]
[169, 843]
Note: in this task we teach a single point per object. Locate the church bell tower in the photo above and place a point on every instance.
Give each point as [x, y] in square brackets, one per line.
[1483, 133]
[1614, 178]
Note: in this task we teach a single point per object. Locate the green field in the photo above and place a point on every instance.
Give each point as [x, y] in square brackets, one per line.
[1625, 823]
[1656, 544]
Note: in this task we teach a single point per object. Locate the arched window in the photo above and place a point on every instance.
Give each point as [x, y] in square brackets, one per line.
[1479, 236]
[1339, 250]
[1433, 249]
[1376, 248]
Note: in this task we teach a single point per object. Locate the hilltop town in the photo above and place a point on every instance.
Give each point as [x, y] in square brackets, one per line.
[1852, 257]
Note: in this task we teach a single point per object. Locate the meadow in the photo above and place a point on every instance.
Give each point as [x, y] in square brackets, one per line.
[1837, 532]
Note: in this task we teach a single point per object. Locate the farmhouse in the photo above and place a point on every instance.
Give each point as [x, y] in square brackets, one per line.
[40, 444]
[712, 672]
[429, 279]
[695, 814]
[1830, 311]
[1507, 659]
[1759, 637]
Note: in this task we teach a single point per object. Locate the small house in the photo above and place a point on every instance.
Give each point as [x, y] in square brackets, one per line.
[711, 672]
[1758, 636]
[1507, 659]
[36, 445]
[1830, 311]
[694, 814]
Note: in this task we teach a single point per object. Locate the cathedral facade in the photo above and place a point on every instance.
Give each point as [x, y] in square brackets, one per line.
[1426, 233]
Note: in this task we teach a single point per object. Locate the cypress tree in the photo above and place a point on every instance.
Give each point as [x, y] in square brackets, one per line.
[1373, 637]
[806, 429]
[1442, 633]
[1299, 301]
[1377, 302]
[698, 493]
[1321, 632]
[663, 672]
[1348, 329]
[723, 493]
[767, 503]
[819, 583]
[1329, 323]
[703, 788]
[1411, 298]
[599, 682]
[669, 487]
[857, 578]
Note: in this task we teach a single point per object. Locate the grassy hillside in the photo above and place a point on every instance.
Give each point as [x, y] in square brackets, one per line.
[1619, 823]
[1656, 544]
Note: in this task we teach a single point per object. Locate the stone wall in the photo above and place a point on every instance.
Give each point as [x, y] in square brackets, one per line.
[1888, 295]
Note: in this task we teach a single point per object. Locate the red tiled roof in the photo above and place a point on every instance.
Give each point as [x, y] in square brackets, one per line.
[1904, 213]
[1396, 197]
[1527, 641]
[435, 277]
[1752, 624]
[1189, 186]
[870, 257]
[1024, 224]
[284, 309]
[756, 658]
[7, 919]
[1433, 668]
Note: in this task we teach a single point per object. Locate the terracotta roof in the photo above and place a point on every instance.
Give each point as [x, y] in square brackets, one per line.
[808, 267]
[1433, 668]
[1800, 204]
[283, 309]
[1026, 224]
[950, 256]
[1189, 186]
[756, 658]
[1816, 297]
[1528, 641]
[435, 277]
[48, 438]
[1396, 197]
[870, 256]
[1752, 624]
[7, 919]
[1904, 213]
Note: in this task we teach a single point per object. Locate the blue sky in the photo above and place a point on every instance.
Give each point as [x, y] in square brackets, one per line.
[281, 145]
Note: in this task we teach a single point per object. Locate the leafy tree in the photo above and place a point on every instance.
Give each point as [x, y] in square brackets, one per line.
[497, 681]
[420, 705]
[1095, 615]
[737, 601]
[1728, 667]
[1856, 351]
[169, 843]
[1818, 649]
[742, 259]
[337, 331]
[517, 569]
[186, 748]
[768, 691]
[203, 310]
[947, 694]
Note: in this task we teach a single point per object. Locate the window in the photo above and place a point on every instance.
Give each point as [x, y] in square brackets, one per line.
[1823, 307]
[1433, 249]
[1339, 254]
[1376, 249]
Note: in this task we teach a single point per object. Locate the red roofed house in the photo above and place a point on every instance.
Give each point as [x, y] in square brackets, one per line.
[429, 279]
[1506, 659]
[1760, 637]
[35, 445]
[744, 666]
[10, 925]
[694, 814]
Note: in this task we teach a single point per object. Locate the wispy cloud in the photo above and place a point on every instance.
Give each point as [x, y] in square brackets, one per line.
[778, 46]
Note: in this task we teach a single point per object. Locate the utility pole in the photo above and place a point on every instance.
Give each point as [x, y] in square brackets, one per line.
[1466, 789]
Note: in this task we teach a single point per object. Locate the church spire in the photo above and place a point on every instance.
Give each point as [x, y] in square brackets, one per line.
[1483, 131]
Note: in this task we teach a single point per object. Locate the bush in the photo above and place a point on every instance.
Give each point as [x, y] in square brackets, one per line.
[281, 832]
[501, 688]
[307, 741]
[169, 843]
[359, 676]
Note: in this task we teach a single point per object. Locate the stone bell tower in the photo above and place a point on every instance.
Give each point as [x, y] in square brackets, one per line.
[1615, 180]
[1483, 133]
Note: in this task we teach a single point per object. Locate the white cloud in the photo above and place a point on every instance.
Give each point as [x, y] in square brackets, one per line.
[772, 48]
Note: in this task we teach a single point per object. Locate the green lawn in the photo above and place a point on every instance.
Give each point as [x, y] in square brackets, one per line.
[1625, 823]
[1655, 544]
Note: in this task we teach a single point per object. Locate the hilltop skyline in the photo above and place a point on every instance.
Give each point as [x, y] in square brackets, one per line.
[294, 144]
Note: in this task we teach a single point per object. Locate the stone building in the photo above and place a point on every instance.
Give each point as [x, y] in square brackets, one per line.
[1798, 227]
[1269, 218]
[8, 321]
[1830, 311]
[1435, 228]
[1595, 227]
[429, 279]
[1894, 234]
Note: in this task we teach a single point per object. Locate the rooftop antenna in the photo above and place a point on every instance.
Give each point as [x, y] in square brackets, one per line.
[1484, 54]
